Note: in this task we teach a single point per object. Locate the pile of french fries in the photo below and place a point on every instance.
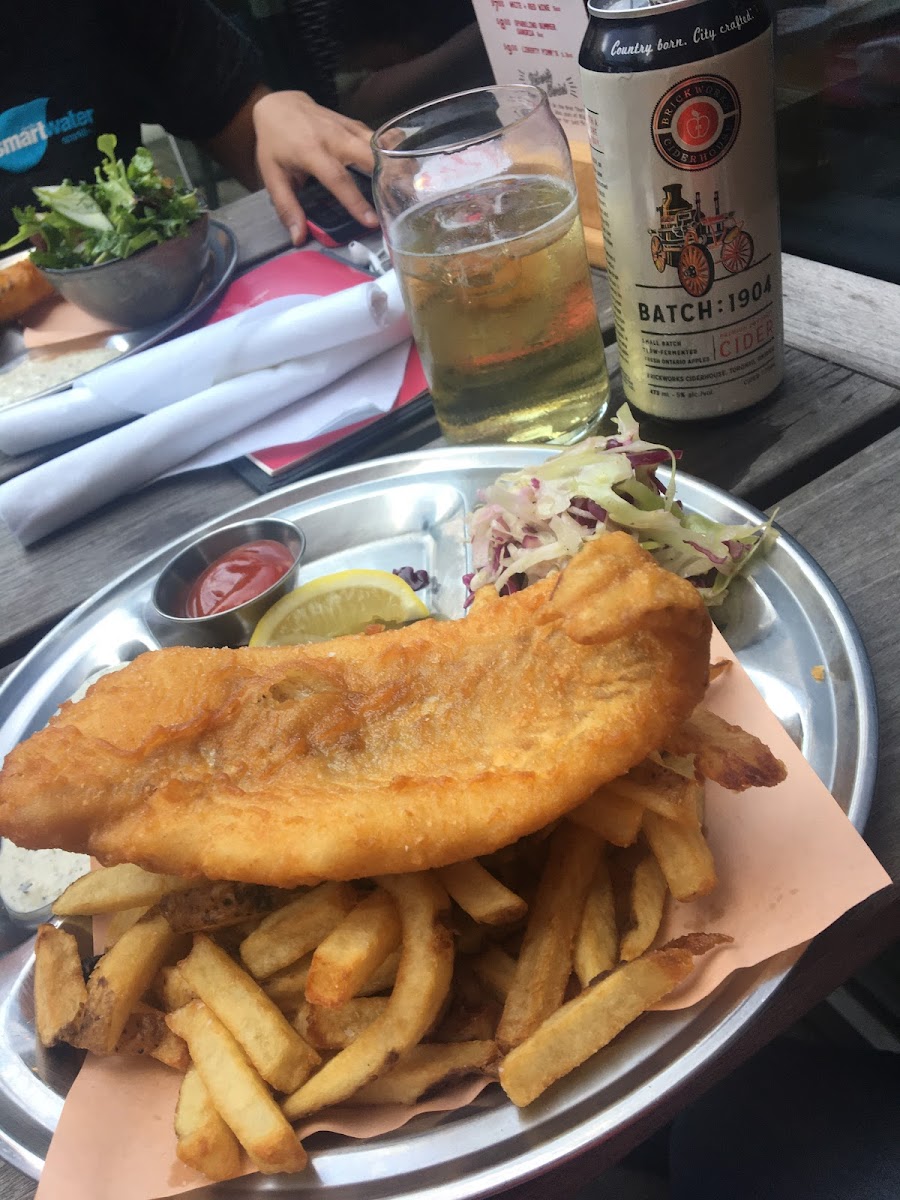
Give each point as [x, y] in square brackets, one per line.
[518, 966]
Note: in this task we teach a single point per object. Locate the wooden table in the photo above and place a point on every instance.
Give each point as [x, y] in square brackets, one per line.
[825, 451]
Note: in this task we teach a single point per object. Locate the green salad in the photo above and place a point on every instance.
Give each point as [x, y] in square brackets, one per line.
[121, 212]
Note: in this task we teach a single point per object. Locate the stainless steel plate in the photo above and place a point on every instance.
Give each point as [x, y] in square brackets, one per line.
[410, 510]
[220, 265]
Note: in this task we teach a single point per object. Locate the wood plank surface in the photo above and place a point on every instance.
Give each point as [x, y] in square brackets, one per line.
[14, 1185]
[841, 396]
[847, 318]
[39, 585]
[256, 226]
[821, 415]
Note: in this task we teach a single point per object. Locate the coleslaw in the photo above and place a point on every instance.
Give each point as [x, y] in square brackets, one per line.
[530, 523]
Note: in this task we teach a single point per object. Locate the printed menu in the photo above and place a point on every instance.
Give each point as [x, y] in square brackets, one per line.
[537, 41]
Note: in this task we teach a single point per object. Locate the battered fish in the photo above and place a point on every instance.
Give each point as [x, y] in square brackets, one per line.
[371, 754]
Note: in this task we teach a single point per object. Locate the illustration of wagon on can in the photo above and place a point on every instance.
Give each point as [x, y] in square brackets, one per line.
[687, 239]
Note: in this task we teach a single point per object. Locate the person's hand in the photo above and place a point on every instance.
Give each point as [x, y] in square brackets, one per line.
[295, 137]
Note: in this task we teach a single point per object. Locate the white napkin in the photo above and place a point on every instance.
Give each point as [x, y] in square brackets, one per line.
[371, 388]
[271, 333]
[207, 387]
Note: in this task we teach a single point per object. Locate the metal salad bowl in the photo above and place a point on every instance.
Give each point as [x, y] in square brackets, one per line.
[144, 288]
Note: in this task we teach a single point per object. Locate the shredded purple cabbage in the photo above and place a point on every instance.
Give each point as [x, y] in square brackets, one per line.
[587, 512]
[514, 584]
[718, 559]
[651, 458]
[416, 578]
[528, 524]
[704, 581]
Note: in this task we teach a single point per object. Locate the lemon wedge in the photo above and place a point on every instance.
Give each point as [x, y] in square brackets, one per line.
[334, 605]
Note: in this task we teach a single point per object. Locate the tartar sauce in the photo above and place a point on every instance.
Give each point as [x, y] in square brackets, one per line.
[30, 880]
[38, 372]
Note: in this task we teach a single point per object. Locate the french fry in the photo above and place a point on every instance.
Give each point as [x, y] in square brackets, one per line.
[300, 1020]
[173, 989]
[698, 943]
[383, 977]
[597, 940]
[545, 960]
[335, 1028]
[646, 903]
[472, 1013]
[684, 856]
[214, 905]
[424, 1068]
[292, 931]
[60, 994]
[288, 986]
[658, 789]
[464, 1022]
[122, 920]
[615, 818]
[720, 667]
[204, 1140]
[275, 1049]
[146, 1033]
[109, 889]
[119, 980]
[237, 1092]
[584, 1025]
[349, 955]
[726, 753]
[483, 897]
[423, 982]
[496, 969]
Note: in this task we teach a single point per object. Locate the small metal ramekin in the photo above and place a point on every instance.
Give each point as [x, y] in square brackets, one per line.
[234, 627]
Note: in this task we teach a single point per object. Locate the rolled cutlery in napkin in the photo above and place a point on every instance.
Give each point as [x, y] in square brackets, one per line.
[273, 332]
[321, 342]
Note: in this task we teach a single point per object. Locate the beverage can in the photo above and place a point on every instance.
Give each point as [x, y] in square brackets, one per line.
[679, 97]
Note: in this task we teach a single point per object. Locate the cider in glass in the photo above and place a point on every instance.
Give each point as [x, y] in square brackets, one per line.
[479, 208]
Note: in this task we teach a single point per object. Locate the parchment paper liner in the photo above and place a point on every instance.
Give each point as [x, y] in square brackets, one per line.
[789, 861]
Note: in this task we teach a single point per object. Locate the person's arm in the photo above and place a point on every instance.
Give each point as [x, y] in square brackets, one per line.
[202, 79]
[295, 138]
[234, 146]
[280, 138]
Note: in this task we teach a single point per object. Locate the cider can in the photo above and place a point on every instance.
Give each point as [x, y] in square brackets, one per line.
[680, 106]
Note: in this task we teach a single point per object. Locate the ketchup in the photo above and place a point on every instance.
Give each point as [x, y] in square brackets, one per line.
[238, 576]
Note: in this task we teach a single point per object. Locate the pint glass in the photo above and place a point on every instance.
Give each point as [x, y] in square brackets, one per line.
[477, 201]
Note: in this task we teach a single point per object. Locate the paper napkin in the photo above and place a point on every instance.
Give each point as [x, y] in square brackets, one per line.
[200, 390]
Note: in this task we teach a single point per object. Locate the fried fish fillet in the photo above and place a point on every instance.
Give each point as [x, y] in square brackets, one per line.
[410, 749]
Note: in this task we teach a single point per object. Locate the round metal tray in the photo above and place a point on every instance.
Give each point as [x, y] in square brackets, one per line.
[410, 510]
[220, 266]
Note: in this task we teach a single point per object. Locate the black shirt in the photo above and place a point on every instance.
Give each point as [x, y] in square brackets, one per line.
[104, 66]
